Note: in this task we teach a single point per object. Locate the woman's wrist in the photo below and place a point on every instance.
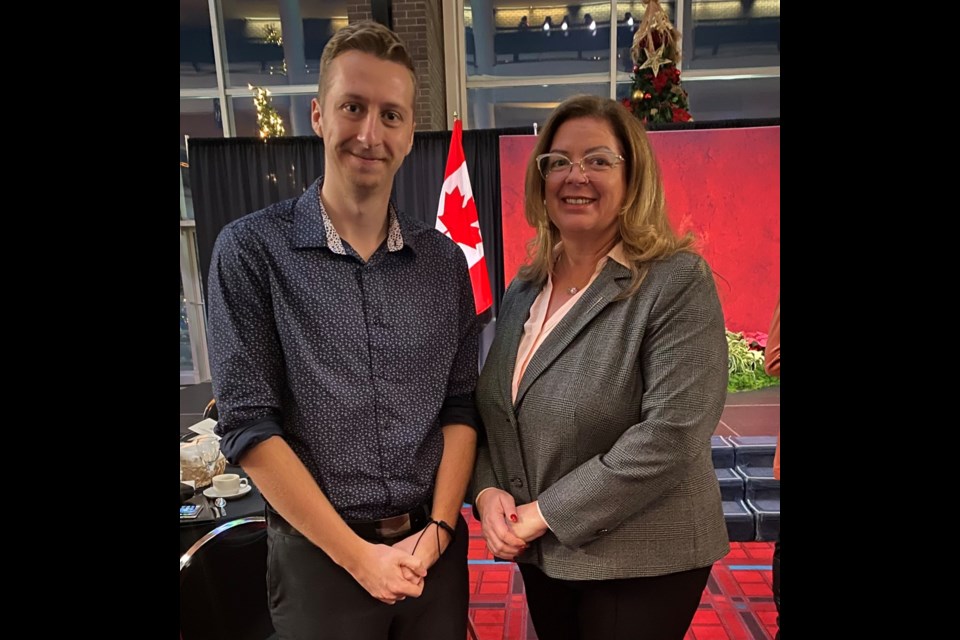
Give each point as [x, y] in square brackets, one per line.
[542, 518]
[476, 500]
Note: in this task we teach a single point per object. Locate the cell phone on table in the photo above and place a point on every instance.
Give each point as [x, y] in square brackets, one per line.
[190, 511]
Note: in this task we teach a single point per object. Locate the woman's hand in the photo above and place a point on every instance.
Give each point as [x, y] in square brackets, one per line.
[497, 510]
[531, 524]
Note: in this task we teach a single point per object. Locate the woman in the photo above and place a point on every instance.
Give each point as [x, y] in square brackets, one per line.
[600, 393]
[772, 367]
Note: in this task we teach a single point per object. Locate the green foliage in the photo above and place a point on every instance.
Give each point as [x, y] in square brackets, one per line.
[746, 366]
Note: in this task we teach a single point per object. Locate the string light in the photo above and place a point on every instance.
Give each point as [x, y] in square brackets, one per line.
[269, 121]
[273, 36]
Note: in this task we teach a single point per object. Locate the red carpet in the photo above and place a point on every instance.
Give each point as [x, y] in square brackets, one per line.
[736, 605]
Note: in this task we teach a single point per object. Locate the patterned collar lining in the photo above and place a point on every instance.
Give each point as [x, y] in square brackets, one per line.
[335, 243]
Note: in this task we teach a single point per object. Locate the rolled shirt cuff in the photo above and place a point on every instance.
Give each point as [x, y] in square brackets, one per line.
[460, 410]
[234, 443]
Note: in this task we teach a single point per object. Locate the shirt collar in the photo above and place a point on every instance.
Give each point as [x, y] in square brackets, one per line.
[313, 227]
[616, 254]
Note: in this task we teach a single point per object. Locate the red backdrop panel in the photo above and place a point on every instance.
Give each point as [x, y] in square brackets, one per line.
[721, 184]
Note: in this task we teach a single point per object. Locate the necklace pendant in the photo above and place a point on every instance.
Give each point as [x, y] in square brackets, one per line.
[572, 291]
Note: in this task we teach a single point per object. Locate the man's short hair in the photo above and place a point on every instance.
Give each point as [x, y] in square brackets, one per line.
[365, 36]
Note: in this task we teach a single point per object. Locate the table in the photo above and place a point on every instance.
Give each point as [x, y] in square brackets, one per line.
[251, 504]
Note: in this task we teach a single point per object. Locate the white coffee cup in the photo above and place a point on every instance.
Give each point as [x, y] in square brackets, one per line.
[228, 484]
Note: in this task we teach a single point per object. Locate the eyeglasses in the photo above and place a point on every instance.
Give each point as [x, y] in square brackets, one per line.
[557, 166]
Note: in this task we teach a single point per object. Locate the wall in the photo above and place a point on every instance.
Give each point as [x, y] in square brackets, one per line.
[419, 24]
[721, 184]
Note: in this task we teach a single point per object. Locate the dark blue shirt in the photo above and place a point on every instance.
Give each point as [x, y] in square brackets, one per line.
[356, 364]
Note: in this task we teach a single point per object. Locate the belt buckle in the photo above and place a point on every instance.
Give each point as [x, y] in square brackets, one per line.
[394, 527]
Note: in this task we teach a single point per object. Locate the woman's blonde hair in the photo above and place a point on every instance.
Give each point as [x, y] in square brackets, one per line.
[644, 227]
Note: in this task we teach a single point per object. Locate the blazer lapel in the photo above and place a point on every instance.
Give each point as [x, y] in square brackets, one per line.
[598, 295]
[512, 326]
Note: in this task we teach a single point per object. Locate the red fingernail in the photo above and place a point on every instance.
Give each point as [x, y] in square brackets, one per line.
[513, 517]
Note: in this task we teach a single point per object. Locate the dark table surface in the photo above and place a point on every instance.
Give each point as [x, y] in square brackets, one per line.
[249, 505]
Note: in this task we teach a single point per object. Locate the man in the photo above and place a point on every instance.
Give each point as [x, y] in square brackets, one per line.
[343, 343]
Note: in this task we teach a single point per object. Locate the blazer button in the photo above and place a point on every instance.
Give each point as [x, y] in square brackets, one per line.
[600, 532]
[517, 482]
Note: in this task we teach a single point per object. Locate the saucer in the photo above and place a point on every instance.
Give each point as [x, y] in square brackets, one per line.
[211, 492]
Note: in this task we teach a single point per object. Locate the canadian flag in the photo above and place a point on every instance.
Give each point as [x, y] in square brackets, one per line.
[457, 219]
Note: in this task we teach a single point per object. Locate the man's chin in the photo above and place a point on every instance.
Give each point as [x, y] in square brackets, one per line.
[368, 179]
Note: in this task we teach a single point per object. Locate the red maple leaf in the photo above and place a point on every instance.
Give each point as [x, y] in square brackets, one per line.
[455, 219]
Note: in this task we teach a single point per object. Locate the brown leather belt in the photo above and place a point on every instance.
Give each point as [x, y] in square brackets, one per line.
[382, 531]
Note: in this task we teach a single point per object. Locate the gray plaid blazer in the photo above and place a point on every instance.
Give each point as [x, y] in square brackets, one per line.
[611, 427]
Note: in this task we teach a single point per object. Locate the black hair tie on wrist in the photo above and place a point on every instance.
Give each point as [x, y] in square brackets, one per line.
[440, 525]
[446, 527]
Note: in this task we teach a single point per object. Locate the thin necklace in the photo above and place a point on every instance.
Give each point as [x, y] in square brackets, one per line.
[571, 290]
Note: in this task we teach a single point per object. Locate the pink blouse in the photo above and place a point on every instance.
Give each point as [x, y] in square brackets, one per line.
[538, 326]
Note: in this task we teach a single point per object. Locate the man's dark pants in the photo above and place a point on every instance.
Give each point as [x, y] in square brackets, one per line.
[312, 598]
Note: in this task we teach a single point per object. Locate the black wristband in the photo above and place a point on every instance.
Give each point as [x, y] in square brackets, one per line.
[443, 525]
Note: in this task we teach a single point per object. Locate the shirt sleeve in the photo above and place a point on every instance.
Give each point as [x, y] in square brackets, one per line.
[459, 406]
[245, 356]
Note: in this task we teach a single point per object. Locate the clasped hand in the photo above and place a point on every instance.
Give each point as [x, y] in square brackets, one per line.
[427, 545]
[390, 573]
[508, 528]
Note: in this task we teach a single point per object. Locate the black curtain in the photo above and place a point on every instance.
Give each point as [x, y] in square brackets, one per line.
[231, 177]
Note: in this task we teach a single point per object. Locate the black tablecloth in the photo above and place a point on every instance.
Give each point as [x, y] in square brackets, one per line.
[249, 505]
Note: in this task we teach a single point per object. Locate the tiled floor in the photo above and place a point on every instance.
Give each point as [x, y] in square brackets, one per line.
[736, 605]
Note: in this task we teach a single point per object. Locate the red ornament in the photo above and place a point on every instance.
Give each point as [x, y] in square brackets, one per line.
[680, 115]
[661, 79]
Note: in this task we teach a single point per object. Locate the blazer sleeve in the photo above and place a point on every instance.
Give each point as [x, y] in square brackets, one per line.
[484, 475]
[772, 367]
[683, 363]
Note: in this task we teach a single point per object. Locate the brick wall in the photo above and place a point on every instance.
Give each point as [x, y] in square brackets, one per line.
[419, 23]
[358, 10]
